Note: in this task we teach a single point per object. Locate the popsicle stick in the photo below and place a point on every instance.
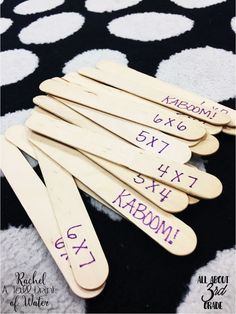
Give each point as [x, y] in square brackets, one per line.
[64, 112]
[33, 196]
[147, 115]
[228, 111]
[153, 89]
[166, 197]
[101, 89]
[76, 78]
[143, 137]
[84, 250]
[182, 177]
[159, 225]
[56, 106]
[188, 143]
[59, 109]
[165, 120]
[76, 107]
[89, 192]
[229, 130]
[18, 136]
[170, 88]
[95, 86]
[92, 194]
[210, 128]
[158, 95]
[209, 145]
[180, 92]
[193, 200]
[163, 196]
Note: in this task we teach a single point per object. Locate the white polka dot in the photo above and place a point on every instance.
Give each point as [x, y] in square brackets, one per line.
[91, 57]
[102, 208]
[17, 64]
[191, 4]
[198, 162]
[50, 29]
[1, 1]
[4, 24]
[14, 118]
[36, 6]
[207, 71]
[233, 24]
[109, 5]
[150, 26]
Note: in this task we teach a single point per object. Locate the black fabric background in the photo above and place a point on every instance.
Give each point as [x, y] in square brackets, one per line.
[143, 276]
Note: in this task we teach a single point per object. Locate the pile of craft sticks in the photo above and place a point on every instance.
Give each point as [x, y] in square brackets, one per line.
[125, 138]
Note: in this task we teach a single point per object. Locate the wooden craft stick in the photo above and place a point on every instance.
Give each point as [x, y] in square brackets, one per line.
[160, 118]
[164, 228]
[64, 112]
[56, 106]
[18, 136]
[158, 95]
[229, 130]
[193, 200]
[188, 143]
[84, 250]
[76, 78]
[209, 145]
[147, 115]
[156, 192]
[95, 86]
[144, 137]
[163, 196]
[76, 107]
[92, 194]
[51, 104]
[104, 90]
[166, 197]
[210, 128]
[153, 88]
[182, 177]
[176, 203]
[23, 143]
[33, 196]
[141, 136]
